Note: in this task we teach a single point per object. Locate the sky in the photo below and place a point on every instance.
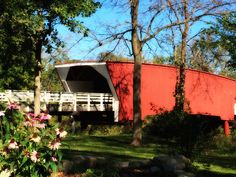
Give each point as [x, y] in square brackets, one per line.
[78, 47]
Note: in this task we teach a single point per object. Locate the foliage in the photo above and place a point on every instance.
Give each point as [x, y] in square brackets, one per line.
[37, 23]
[16, 52]
[38, 19]
[158, 59]
[30, 144]
[107, 172]
[225, 30]
[214, 50]
[220, 141]
[50, 80]
[109, 130]
[190, 134]
[108, 56]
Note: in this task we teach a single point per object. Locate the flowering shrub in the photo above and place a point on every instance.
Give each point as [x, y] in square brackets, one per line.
[30, 146]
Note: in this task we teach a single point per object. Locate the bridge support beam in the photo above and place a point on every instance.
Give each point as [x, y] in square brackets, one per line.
[226, 128]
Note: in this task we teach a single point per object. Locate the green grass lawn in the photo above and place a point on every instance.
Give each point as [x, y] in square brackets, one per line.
[114, 147]
[215, 163]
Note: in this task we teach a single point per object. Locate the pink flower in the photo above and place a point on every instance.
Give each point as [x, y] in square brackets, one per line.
[55, 144]
[12, 106]
[60, 132]
[44, 116]
[30, 115]
[2, 113]
[54, 159]
[34, 123]
[40, 117]
[28, 122]
[35, 138]
[35, 156]
[13, 144]
[38, 125]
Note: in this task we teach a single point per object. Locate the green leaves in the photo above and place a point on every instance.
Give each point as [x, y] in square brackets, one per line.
[225, 31]
[26, 141]
[24, 23]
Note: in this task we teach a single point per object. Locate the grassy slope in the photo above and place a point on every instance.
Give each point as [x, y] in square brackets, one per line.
[116, 148]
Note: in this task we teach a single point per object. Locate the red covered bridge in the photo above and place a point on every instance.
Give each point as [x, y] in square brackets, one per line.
[206, 94]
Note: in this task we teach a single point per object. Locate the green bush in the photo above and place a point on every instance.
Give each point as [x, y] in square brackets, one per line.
[30, 146]
[108, 129]
[223, 143]
[190, 134]
[106, 172]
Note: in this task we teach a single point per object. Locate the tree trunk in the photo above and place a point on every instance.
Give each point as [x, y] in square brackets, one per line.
[180, 92]
[137, 53]
[37, 77]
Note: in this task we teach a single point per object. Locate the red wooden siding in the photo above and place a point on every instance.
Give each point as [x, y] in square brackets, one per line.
[207, 94]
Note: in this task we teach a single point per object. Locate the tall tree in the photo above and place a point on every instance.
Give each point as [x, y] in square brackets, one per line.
[138, 58]
[147, 21]
[184, 29]
[190, 12]
[39, 18]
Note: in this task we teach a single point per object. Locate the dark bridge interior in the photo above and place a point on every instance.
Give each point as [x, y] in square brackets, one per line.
[86, 79]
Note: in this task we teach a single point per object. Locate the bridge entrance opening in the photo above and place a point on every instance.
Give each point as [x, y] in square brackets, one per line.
[86, 79]
[96, 99]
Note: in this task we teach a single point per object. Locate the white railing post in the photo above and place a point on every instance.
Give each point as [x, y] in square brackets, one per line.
[44, 98]
[88, 102]
[9, 96]
[75, 102]
[27, 108]
[101, 102]
[60, 102]
[113, 104]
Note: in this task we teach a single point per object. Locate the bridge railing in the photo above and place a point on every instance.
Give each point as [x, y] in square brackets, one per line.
[77, 101]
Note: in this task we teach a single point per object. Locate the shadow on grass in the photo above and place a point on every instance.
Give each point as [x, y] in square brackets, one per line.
[114, 145]
[205, 173]
[108, 150]
[225, 162]
[105, 152]
[74, 155]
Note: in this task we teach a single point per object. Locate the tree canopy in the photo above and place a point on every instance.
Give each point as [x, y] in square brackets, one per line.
[36, 21]
[26, 23]
[225, 36]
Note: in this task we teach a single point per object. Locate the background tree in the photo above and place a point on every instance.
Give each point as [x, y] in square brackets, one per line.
[181, 11]
[109, 56]
[39, 19]
[216, 46]
[207, 55]
[16, 53]
[190, 13]
[225, 30]
[148, 21]
[50, 79]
